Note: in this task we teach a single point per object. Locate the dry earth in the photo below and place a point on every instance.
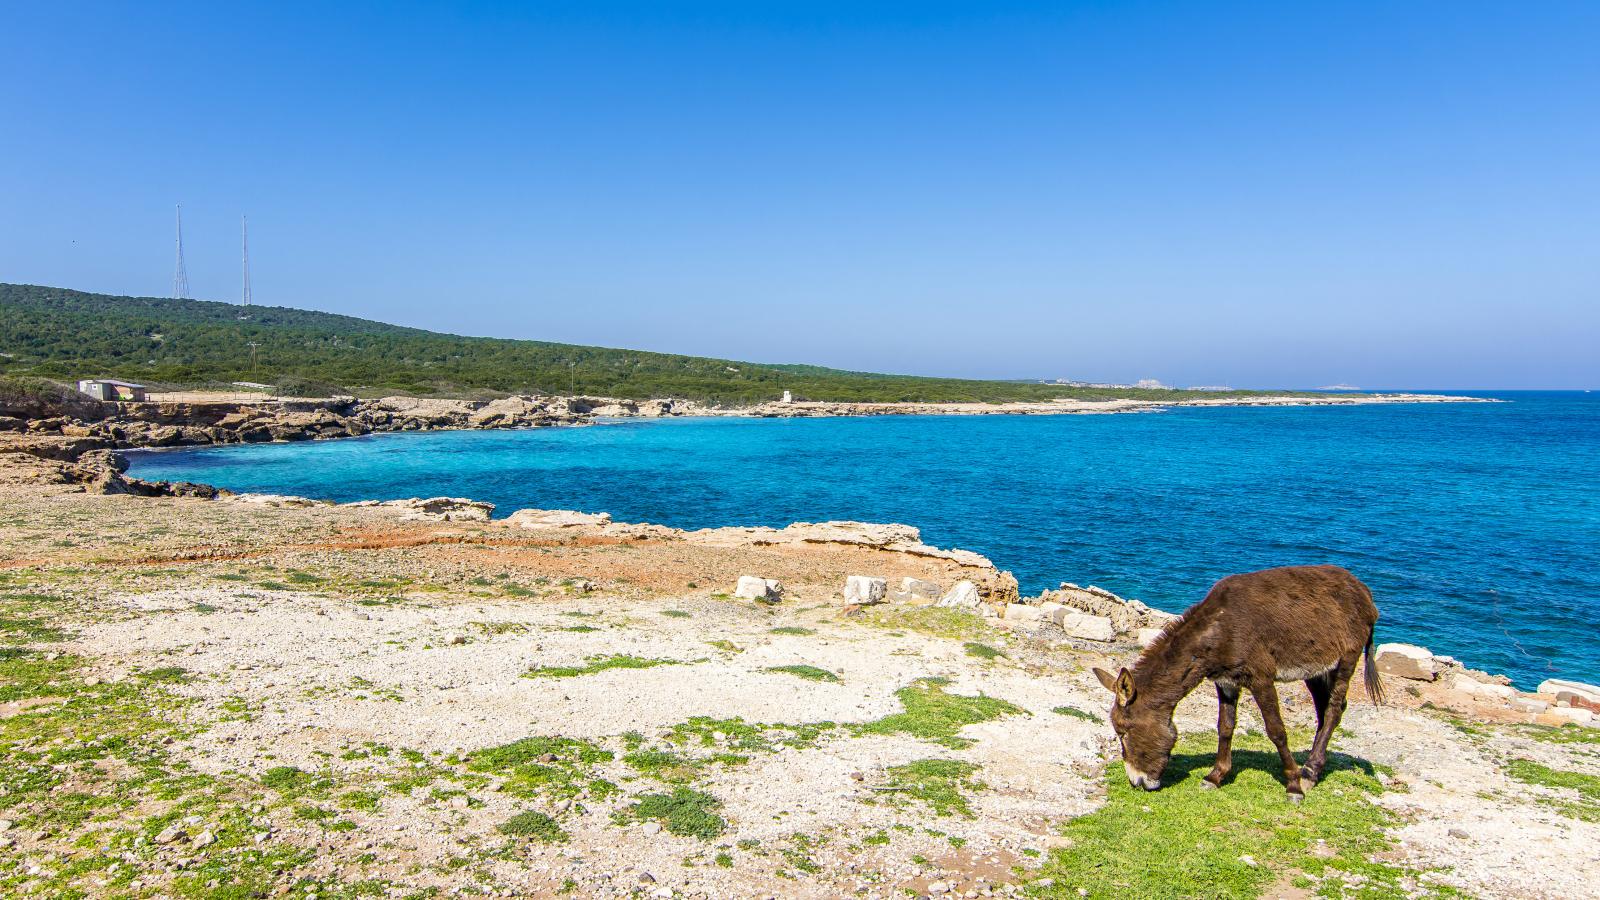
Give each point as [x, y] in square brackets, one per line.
[219, 698]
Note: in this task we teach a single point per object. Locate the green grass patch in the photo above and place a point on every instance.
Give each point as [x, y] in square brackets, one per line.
[534, 825]
[725, 646]
[791, 629]
[1184, 842]
[983, 651]
[748, 737]
[599, 664]
[1564, 734]
[937, 621]
[541, 766]
[676, 613]
[1586, 807]
[933, 715]
[684, 812]
[1072, 712]
[809, 673]
[941, 783]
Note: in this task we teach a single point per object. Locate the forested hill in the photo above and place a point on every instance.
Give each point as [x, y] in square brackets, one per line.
[65, 334]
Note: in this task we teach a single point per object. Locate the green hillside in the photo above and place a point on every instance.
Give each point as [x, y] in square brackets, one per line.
[65, 334]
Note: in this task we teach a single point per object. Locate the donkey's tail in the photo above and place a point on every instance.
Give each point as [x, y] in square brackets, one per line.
[1370, 673]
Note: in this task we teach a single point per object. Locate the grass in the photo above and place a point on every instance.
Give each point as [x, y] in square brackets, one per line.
[676, 613]
[748, 737]
[1182, 842]
[940, 783]
[1072, 712]
[937, 621]
[791, 629]
[1564, 734]
[1587, 806]
[725, 646]
[983, 651]
[599, 664]
[551, 767]
[809, 673]
[684, 812]
[534, 825]
[933, 715]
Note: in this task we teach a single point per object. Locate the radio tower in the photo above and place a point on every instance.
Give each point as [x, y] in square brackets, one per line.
[180, 278]
[244, 247]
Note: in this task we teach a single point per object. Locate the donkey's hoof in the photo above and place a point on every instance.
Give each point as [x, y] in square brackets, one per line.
[1296, 798]
[1207, 785]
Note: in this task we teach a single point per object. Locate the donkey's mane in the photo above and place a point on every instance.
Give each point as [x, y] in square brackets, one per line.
[1162, 642]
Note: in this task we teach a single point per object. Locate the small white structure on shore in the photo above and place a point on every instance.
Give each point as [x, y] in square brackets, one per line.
[787, 397]
[110, 389]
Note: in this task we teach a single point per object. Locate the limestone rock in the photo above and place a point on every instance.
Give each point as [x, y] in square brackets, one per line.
[436, 509]
[1575, 693]
[1126, 615]
[1087, 627]
[754, 587]
[1407, 661]
[920, 592]
[1147, 636]
[964, 595]
[865, 589]
[540, 519]
[1482, 691]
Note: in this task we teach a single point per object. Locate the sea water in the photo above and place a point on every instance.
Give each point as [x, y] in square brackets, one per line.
[1477, 525]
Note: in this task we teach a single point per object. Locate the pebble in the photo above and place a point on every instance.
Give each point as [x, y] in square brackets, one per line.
[1459, 834]
[651, 828]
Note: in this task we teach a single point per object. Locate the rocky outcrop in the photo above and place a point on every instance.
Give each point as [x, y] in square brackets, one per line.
[1126, 616]
[436, 509]
[547, 519]
[1407, 661]
[897, 538]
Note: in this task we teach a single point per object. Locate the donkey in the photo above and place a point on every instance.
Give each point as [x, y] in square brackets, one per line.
[1295, 623]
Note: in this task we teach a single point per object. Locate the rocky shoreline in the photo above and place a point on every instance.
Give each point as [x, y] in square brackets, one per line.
[75, 442]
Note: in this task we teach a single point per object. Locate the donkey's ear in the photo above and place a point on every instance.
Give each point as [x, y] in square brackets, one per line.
[1124, 687]
[1106, 678]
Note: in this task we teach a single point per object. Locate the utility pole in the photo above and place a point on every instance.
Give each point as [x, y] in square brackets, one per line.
[244, 250]
[180, 278]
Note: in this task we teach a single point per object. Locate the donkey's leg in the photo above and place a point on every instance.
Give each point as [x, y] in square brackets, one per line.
[1320, 686]
[1227, 714]
[1339, 688]
[1266, 694]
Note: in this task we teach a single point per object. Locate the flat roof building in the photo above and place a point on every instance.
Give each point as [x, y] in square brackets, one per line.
[110, 389]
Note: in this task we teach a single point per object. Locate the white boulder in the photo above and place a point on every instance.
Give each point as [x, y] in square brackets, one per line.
[965, 595]
[922, 593]
[865, 589]
[1571, 715]
[1570, 690]
[1483, 691]
[1407, 661]
[754, 587]
[1087, 627]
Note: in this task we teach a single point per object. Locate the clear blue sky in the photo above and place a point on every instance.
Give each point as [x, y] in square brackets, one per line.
[1386, 194]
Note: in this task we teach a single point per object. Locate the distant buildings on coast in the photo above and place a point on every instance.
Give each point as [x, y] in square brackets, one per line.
[1145, 384]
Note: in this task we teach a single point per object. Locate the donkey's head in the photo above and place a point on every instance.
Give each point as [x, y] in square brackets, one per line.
[1143, 727]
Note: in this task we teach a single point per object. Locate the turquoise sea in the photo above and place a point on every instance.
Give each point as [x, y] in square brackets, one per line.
[1476, 524]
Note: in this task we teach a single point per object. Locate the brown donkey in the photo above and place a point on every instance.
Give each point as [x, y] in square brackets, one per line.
[1252, 631]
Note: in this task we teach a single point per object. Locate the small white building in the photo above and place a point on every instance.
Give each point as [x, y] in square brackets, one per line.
[110, 389]
[788, 397]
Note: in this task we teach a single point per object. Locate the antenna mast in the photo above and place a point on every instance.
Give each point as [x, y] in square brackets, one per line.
[244, 246]
[180, 277]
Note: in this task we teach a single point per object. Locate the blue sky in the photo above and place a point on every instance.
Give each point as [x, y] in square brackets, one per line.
[1387, 194]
